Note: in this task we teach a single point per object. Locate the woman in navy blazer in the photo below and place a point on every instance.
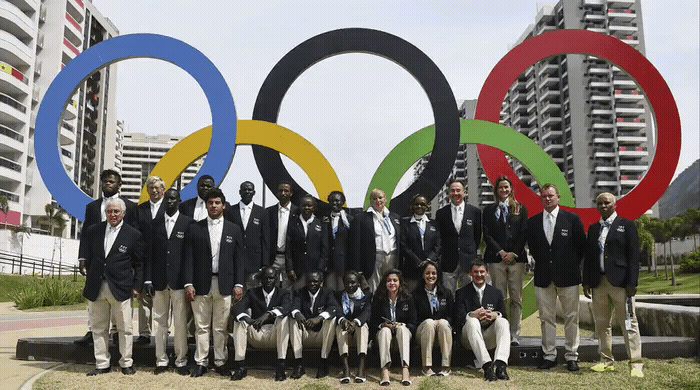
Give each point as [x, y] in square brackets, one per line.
[420, 241]
[434, 306]
[505, 233]
[393, 318]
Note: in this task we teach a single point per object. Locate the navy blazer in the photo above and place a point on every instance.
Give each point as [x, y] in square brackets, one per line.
[305, 253]
[559, 262]
[253, 303]
[363, 248]
[165, 265]
[362, 308]
[467, 300]
[510, 236]
[425, 311]
[121, 268]
[339, 246]
[621, 255]
[198, 257]
[273, 222]
[459, 248]
[325, 301]
[413, 251]
[256, 237]
[405, 313]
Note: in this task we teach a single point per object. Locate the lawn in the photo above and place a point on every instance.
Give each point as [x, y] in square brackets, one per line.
[686, 283]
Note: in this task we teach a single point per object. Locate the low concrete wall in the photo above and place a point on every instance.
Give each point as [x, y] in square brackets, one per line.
[655, 319]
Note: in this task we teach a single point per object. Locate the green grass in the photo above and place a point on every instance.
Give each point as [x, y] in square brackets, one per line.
[10, 284]
[686, 283]
[29, 292]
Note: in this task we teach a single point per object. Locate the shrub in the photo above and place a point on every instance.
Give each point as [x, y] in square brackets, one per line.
[48, 292]
[690, 262]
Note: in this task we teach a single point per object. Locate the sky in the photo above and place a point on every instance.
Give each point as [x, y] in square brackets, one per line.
[355, 108]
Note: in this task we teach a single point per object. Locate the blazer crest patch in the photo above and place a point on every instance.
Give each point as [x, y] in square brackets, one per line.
[621, 229]
[122, 248]
[432, 228]
[489, 306]
[396, 221]
[443, 302]
[256, 221]
[404, 307]
[469, 222]
[180, 235]
[564, 232]
[318, 228]
[229, 239]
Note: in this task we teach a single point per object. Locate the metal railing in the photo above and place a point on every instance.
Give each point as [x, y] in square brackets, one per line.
[27, 265]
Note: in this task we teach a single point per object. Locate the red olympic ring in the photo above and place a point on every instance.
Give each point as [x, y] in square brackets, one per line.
[516, 61]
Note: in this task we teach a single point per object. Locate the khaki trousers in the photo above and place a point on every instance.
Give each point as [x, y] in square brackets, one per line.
[281, 264]
[480, 340]
[166, 302]
[509, 279]
[607, 297]
[145, 311]
[100, 311]
[210, 316]
[383, 262]
[427, 332]
[546, 298]
[401, 340]
[360, 338]
[309, 338]
[269, 336]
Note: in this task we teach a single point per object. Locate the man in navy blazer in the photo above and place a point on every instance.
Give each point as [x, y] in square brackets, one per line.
[111, 182]
[557, 243]
[279, 216]
[481, 316]
[261, 319]
[213, 265]
[165, 272]
[459, 224]
[113, 254]
[196, 207]
[254, 225]
[307, 244]
[338, 231]
[313, 312]
[611, 269]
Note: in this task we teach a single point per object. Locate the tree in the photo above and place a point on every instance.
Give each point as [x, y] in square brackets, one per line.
[691, 224]
[656, 227]
[5, 208]
[55, 219]
[646, 241]
[673, 227]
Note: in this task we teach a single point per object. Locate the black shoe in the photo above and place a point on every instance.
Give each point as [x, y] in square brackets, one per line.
[160, 370]
[142, 340]
[547, 364]
[85, 340]
[502, 370]
[572, 365]
[488, 372]
[223, 371]
[279, 372]
[183, 370]
[198, 371]
[298, 372]
[241, 372]
[128, 371]
[99, 371]
[322, 369]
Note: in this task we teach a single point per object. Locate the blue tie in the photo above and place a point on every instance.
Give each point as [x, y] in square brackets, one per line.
[504, 212]
[434, 304]
[346, 303]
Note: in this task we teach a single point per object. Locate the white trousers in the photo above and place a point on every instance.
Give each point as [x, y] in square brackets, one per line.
[100, 311]
[509, 279]
[607, 297]
[428, 331]
[210, 316]
[166, 302]
[309, 338]
[360, 338]
[269, 336]
[402, 340]
[383, 262]
[480, 340]
[145, 314]
[546, 298]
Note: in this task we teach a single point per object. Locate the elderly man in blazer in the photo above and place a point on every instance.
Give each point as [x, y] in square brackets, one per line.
[213, 265]
[254, 225]
[459, 224]
[557, 243]
[375, 238]
[165, 272]
[481, 315]
[261, 319]
[279, 216]
[307, 244]
[611, 269]
[313, 325]
[113, 253]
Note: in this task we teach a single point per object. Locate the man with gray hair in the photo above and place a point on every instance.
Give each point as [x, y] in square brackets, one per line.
[113, 254]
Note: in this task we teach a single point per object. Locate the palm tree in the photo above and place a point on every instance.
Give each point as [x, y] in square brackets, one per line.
[57, 223]
[673, 229]
[656, 228]
[646, 241]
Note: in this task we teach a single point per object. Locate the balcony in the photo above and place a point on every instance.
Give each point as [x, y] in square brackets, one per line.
[629, 111]
[630, 139]
[606, 183]
[549, 69]
[590, 16]
[70, 111]
[553, 147]
[15, 21]
[633, 167]
[13, 107]
[10, 170]
[12, 197]
[618, 27]
[532, 133]
[12, 81]
[551, 133]
[625, 83]
[603, 140]
[548, 120]
[546, 93]
[628, 95]
[601, 110]
[15, 52]
[599, 83]
[72, 50]
[532, 118]
[621, 14]
[603, 154]
[639, 151]
[605, 168]
[634, 123]
[549, 106]
[12, 134]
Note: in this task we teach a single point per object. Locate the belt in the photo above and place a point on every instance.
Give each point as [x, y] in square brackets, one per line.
[280, 252]
[215, 274]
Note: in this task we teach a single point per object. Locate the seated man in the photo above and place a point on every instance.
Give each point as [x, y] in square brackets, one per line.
[352, 317]
[481, 313]
[313, 310]
[261, 319]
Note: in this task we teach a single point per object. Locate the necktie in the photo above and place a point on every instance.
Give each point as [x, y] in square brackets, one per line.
[336, 223]
[550, 228]
[434, 304]
[387, 224]
[601, 242]
[245, 217]
[168, 226]
[457, 218]
[392, 307]
[347, 305]
[504, 212]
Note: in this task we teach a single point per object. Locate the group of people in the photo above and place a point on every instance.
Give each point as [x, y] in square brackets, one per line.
[288, 275]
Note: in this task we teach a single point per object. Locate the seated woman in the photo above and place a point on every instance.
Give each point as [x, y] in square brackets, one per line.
[353, 318]
[434, 305]
[394, 319]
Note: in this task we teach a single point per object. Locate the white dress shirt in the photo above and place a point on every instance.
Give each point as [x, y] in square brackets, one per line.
[457, 215]
[422, 221]
[282, 222]
[170, 222]
[384, 233]
[216, 229]
[200, 210]
[245, 209]
[111, 233]
[325, 315]
[155, 206]
[549, 229]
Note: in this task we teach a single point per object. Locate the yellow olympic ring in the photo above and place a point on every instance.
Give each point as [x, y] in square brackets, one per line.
[251, 132]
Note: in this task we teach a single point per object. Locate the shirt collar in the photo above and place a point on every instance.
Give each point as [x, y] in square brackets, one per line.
[358, 294]
[503, 203]
[115, 196]
[306, 221]
[115, 228]
[174, 217]
[314, 296]
[266, 294]
[554, 212]
[457, 206]
[287, 207]
[157, 204]
[433, 291]
[200, 200]
[421, 218]
[217, 221]
[377, 213]
[479, 290]
[248, 206]
[610, 219]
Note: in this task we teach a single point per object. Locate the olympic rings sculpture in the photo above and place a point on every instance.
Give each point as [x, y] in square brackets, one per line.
[492, 138]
